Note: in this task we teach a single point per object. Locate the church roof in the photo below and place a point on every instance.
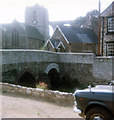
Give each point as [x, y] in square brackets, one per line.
[79, 35]
[32, 32]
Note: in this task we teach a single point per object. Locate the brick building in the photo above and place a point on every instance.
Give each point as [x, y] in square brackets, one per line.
[71, 39]
[107, 31]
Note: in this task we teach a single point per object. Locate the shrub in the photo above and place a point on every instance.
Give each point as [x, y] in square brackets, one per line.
[42, 85]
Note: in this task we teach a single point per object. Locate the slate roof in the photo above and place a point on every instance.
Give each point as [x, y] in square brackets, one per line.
[31, 31]
[79, 35]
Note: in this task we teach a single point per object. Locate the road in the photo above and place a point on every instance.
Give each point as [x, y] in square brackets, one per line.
[18, 106]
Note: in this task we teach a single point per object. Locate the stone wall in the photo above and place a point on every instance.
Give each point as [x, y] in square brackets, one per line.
[77, 68]
[77, 74]
[61, 98]
[83, 67]
[103, 69]
[10, 56]
[84, 58]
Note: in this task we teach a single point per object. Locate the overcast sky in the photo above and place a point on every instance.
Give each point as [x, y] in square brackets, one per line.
[57, 9]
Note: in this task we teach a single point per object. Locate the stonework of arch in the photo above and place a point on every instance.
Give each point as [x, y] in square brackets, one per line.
[27, 79]
[29, 70]
[52, 66]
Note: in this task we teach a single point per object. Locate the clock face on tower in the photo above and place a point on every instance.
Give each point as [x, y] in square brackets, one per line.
[35, 22]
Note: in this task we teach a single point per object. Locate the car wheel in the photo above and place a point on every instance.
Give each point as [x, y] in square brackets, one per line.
[98, 113]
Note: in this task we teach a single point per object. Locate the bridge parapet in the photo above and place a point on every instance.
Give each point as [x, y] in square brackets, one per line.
[86, 58]
[12, 56]
[83, 67]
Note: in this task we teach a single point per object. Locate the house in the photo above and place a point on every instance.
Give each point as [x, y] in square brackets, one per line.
[18, 35]
[107, 31]
[71, 39]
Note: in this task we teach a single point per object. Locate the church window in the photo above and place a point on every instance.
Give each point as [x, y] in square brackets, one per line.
[15, 37]
[111, 24]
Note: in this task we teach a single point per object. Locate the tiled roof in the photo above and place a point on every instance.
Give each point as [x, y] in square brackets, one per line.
[79, 35]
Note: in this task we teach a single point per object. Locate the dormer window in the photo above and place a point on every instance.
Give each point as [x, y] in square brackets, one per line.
[110, 24]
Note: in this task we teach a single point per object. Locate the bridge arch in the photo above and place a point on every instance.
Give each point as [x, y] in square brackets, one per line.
[53, 73]
[52, 66]
[27, 78]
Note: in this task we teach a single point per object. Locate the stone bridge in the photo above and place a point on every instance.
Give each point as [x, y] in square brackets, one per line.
[28, 67]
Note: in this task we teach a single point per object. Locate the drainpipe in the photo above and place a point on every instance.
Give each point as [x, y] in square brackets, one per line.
[99, 31]
[102, 37]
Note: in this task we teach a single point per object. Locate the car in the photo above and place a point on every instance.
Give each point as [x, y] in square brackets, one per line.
[95, 103]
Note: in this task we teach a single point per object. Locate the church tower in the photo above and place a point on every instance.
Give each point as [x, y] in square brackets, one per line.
[37, 16]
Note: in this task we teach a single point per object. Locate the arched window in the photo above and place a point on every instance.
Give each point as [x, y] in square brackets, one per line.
[15, 37]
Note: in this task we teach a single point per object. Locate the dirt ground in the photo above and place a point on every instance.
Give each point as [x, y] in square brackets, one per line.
[16, 106]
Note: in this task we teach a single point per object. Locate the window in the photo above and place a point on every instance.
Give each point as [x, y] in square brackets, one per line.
[15, 37]
[111, 24]
[110, 49]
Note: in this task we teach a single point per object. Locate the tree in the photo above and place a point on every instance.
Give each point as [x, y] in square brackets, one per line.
[91, 20]
[87, 21]
[79, 22]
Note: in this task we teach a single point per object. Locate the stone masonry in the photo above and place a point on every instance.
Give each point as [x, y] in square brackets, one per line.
[61, 98]
[84, 68]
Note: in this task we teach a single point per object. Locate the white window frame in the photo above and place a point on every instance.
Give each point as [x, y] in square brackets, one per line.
[110, 49]
[110, 24]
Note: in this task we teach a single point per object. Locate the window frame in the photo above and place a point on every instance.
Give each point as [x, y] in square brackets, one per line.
[109, 31]
[15, 37]
[110, 49]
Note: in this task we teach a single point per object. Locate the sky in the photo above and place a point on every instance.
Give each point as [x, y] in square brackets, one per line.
[58, 9]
